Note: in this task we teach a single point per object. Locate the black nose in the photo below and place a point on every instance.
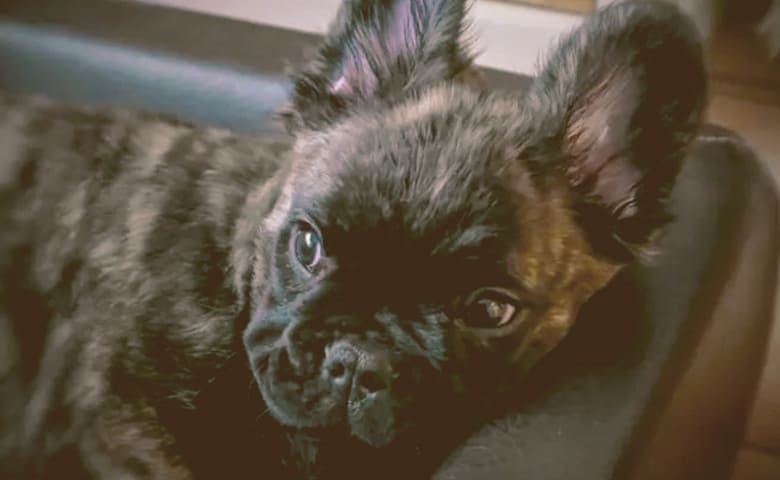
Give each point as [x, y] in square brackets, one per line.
[361, 367]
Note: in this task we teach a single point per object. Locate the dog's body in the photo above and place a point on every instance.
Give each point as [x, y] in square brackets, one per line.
[114, 251]
[382, 273]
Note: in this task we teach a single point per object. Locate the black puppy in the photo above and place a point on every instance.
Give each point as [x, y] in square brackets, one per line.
[343, 300]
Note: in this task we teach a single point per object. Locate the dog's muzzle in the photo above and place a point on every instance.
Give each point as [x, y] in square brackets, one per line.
[367, 372]
[351, 383]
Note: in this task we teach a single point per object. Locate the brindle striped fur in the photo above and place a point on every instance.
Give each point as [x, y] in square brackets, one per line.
[118, 230]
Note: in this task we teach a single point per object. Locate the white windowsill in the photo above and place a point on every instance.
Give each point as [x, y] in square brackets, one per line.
[508, 37]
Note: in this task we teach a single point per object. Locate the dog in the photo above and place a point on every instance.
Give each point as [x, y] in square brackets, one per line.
[347, 297]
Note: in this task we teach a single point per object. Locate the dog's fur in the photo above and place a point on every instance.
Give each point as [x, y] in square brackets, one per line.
[155, 322]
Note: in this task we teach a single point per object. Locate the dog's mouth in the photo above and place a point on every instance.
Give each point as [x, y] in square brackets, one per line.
[351, 388]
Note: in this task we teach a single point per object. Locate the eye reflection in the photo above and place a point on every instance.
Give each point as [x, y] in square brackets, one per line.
[307, 246]
[488, 308]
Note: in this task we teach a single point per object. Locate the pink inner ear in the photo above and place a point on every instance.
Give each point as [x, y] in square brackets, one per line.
[600, 143]
[341, 87]
[401, 36]
[396, 38]
[615, 184]
[356, 76]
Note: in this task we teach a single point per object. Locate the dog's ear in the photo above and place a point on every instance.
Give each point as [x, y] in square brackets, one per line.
[374, 50]
[619, 100]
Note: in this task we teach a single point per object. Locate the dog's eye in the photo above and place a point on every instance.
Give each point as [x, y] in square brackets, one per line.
[307, 246]
[488, 309]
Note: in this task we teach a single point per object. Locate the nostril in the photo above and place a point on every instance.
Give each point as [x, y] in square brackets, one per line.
[284, 366]
[371, 381]
[336, 370]
[338, 366]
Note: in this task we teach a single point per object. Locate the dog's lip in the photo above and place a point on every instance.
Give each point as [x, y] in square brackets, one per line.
[370, 427]
[364, 418]
[370, 421]
[287, 418]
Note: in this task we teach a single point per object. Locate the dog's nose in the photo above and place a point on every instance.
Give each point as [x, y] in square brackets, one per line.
[362, 367]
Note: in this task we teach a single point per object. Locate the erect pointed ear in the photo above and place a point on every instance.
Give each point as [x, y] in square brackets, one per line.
[376, 49]
[622, 97]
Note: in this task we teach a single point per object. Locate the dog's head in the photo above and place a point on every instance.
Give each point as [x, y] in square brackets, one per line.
[429, 241]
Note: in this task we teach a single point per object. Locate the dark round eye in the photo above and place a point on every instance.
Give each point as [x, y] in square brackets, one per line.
[488, 309]
[307, 246]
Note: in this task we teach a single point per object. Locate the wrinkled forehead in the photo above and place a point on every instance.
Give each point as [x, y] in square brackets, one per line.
[421, 173]
[446, 135]
[448, 125]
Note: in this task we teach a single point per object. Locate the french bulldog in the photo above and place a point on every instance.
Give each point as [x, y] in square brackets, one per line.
[344, 298]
